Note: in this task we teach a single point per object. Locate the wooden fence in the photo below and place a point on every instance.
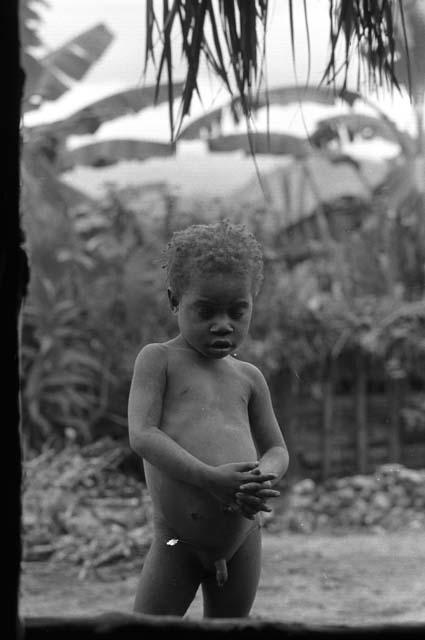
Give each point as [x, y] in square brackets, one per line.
[343, 433]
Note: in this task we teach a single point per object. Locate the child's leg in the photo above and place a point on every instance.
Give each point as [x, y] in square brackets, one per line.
[235, 598]
[170, 578]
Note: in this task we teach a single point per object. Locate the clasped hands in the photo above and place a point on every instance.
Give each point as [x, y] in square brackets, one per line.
[243, 487]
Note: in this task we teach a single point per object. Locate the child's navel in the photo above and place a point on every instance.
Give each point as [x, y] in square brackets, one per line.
[184, 391]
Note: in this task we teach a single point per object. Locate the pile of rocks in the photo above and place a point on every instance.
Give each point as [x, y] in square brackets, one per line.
[391, 499]
[79, 508]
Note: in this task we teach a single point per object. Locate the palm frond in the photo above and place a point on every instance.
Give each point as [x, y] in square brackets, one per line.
[368, 27]
[231, 36]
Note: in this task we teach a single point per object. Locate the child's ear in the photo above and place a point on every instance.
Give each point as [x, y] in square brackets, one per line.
[173, 300]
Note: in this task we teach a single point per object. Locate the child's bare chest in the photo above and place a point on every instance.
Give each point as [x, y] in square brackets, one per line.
[207, 408]
[218, 388]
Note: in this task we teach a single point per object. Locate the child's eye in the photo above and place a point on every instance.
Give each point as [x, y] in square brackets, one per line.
[205, 313]
[236, 314]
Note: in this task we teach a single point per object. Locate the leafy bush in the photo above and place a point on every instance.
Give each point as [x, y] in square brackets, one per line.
[95, 300]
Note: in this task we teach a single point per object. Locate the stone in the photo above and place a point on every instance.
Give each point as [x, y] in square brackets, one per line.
[381, 501]
[346, 495]
[304, 486]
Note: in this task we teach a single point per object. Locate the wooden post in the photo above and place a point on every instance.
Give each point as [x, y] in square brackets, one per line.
[291, 427]
[285, 389]
[394, 445]
[327, 422]
[361, 418]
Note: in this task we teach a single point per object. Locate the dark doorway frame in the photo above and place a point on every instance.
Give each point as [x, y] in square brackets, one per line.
[14, 276]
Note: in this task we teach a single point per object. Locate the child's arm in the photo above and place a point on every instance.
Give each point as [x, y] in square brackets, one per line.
[274, 458]
[149, 442]
[266, 430]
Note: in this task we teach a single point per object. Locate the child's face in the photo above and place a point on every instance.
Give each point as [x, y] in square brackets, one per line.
[214, 313]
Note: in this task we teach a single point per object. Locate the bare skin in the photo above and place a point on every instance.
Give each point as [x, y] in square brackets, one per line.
[204, 425]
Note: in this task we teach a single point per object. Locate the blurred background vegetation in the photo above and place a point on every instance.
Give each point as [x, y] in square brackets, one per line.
[342, 310]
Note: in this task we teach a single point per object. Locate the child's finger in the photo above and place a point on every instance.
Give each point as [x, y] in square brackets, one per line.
[268, 493]
[250, 487]
[255, 486]
[262, 477]
[246, 466]
[248, 499]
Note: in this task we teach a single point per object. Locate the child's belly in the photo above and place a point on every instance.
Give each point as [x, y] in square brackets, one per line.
[194, 517]
[191, 512]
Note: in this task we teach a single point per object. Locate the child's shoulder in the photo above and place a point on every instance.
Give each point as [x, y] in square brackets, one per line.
[157, 353]
[153, 349]
[153, 355]
[249, 371]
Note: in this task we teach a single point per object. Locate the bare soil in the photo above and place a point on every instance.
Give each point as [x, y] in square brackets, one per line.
[349, 579]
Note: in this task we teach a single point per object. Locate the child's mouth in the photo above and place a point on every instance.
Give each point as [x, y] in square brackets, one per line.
[221, 345]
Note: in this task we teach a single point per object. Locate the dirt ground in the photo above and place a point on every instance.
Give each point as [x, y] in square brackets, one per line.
[315, 579]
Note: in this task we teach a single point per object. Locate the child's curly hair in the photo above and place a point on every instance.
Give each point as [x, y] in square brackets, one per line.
[215, 248]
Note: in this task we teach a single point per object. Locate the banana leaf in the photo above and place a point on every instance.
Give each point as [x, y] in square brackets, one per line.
[260, 142]
[356, 123]
[280, 96]
[41, 185]
[116, 105]
[56, 72]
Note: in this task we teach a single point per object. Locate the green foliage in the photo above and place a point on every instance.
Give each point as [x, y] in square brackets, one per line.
[101, 295]
[63, 366]
[364, 293]
[95, 297]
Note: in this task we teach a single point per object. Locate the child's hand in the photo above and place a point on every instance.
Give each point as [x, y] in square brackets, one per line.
[252, 496]
[226, 480]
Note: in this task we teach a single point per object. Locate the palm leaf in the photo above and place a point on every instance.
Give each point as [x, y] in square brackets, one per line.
[234, 46]
[107, 152]
[409, 62]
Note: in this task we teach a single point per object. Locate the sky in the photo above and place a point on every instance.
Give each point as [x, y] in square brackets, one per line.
[121, 67]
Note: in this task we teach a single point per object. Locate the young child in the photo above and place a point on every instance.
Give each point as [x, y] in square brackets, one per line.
[204, 425]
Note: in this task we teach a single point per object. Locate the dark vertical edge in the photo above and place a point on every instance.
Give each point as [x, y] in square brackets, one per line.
[13, 280]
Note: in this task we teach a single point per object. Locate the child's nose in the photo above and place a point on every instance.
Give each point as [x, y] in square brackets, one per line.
[221, 326]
